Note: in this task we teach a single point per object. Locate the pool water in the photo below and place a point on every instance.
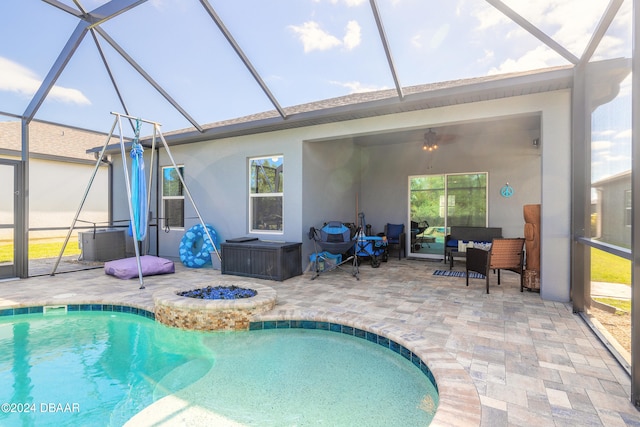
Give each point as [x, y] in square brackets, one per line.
[104, 368]
[104, 365]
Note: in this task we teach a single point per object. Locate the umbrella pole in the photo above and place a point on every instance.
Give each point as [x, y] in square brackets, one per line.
[134, 226]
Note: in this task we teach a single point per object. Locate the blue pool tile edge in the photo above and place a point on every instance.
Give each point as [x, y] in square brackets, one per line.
[80, 307]
[349, 330]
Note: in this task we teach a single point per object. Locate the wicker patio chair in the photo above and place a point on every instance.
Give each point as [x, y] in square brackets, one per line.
[505, 254]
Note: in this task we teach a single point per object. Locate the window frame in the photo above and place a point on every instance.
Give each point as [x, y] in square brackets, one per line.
[165, 198]
[444, 197]
[253, 196]
[628, 210]
[451, 199]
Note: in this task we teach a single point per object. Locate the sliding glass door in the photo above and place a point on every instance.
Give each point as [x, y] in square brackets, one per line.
[8, 194]
[436, 202]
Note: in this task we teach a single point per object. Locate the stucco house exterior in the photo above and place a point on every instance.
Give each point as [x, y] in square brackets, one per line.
[613, 209]
[59, 171]
[356, 154]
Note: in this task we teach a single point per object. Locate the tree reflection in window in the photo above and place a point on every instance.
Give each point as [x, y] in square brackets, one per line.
[266, 193]
[172, 197]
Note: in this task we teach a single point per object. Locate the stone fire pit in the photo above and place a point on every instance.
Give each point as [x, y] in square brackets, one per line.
[202, 314]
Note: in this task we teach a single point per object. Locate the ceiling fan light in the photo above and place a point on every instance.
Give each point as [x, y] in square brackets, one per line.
[430, 142]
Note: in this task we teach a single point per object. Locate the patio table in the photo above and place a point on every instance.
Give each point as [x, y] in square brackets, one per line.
[455, 252]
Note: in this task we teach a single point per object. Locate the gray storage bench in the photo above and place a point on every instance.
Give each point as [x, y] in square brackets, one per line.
[261, 259]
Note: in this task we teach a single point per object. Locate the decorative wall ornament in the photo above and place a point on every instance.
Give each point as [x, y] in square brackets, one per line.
[506, 190]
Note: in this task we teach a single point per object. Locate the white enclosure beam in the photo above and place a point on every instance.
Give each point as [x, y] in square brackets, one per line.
[533, 30]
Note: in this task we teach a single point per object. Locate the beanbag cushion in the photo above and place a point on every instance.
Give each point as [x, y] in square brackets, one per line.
[127, 268]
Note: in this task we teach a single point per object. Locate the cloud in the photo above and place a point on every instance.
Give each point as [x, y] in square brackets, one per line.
[68, 96]
[159, 4]
[624, 134]
[625, 87]
[432, 38]
[619, 158]
[611, 47]
[573, 33]
[358, 87]
[569, 22]
[559, 19]
[600, 145]
[439, 36]
[349, 3]
[540, 57]
[19, 79]
[488, 57]
[489, 17]
[315, 38]
[352, 37]
[416, 40]
[604, 133]
[16, 78]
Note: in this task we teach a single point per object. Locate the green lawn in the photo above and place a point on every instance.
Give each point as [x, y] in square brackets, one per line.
[622, 305]
[609, 268]
[39, 249]
[612, 269]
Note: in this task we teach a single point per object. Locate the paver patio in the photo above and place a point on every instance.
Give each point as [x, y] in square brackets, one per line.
[506, 358]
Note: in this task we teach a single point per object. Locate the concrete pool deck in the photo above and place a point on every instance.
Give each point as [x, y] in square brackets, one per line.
[507, 358]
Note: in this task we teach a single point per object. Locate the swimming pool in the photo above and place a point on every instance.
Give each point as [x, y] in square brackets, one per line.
[102, 368]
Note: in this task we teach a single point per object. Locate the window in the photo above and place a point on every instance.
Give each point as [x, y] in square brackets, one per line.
[442, 201]
[173, 197]
[627, 208]
[266, 194]
[467, 196]
[452, 199]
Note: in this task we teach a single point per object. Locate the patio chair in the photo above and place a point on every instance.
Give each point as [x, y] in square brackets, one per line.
[505, 254]
[417, 235]
[396, 237]
[335, 239]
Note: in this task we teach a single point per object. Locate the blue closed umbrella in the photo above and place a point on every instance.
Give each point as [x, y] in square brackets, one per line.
[138, 191]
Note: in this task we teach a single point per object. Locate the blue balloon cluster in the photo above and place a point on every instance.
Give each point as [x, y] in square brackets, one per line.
[219, 292]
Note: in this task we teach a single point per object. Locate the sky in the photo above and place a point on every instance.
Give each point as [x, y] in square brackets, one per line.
[304, 51]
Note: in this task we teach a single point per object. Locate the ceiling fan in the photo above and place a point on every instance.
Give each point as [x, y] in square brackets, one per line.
[432, 140]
